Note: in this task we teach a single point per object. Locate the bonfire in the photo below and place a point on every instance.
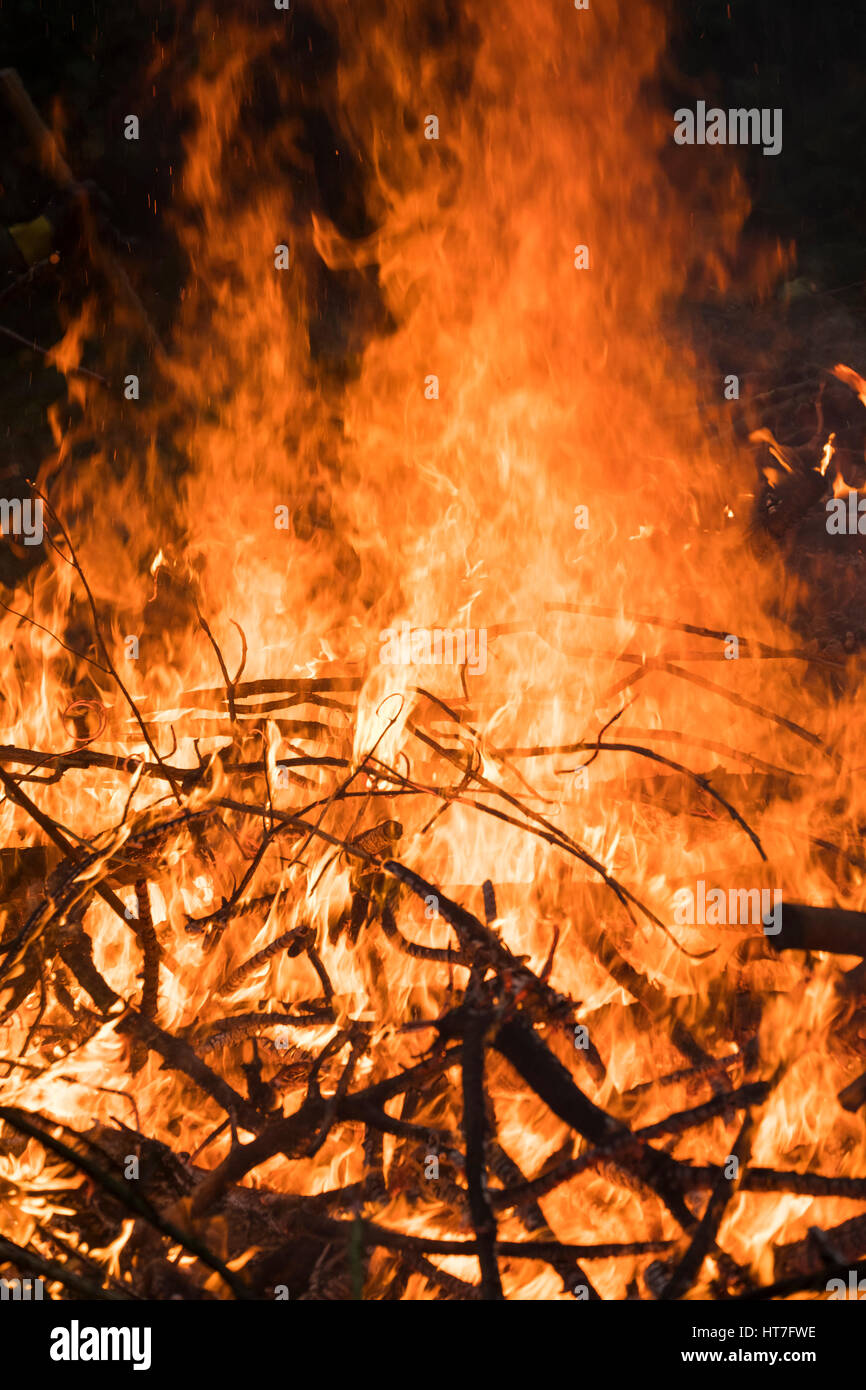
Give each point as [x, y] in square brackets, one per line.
[431, 857]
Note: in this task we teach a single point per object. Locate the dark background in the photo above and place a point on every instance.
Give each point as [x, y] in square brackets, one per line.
[809, 59]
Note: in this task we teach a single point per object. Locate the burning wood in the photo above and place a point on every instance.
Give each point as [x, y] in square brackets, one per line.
[326, 972]
[504, 1010]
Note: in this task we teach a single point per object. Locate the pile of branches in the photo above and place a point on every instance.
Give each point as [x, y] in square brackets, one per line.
[187, 1229]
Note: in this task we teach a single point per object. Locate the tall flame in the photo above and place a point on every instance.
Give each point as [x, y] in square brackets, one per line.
[513, 450]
